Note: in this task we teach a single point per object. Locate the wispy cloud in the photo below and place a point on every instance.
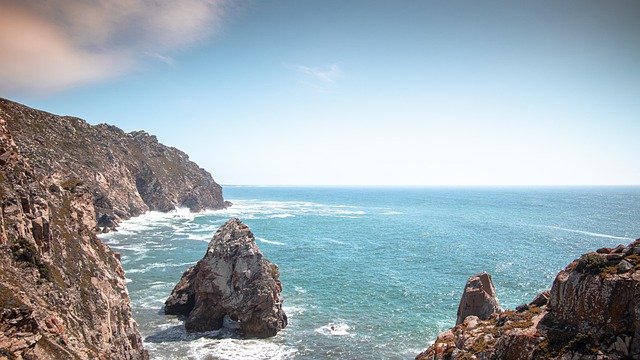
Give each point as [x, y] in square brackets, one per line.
[327, 74]
[49, 46]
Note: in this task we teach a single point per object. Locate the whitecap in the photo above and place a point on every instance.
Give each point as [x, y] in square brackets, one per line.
[232, 349]
[335, 329]
[206, 237]
[586, 233]
[269, 241]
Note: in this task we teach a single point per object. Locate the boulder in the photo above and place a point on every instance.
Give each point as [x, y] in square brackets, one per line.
[233, 280]
[479, 298]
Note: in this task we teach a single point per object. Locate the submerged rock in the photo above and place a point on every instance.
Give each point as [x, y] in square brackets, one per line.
[479, 298]
[591, 312]
[235, 280]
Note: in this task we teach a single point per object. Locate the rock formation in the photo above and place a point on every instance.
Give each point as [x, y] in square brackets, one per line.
[235, 280]
[591, 312]
[62, 291]
[479, 298]
[125, 174]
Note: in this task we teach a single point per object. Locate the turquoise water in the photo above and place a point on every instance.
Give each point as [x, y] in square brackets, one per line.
[371, 273]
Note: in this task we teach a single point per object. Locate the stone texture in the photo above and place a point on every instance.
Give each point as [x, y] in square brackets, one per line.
[591, 312]
[233, 279]
[478, 299]
[62, 290]
[125, 174]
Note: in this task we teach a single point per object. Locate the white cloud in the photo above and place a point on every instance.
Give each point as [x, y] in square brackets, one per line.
[50, 46]
[327, 74]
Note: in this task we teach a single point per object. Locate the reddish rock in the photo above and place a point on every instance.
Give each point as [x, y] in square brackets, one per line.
[62, 290]
[479, 298]
[592, 313]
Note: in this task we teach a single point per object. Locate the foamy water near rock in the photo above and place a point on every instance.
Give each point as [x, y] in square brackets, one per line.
[235, 280]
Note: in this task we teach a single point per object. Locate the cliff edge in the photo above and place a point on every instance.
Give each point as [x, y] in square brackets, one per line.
[591, 312]
[62, 290]
[125, 174]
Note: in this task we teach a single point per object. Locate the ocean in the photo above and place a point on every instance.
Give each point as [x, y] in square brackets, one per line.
[371, 273]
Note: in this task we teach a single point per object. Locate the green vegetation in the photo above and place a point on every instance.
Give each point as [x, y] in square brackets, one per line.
[26, 252]
[591, 263]
[71, 184]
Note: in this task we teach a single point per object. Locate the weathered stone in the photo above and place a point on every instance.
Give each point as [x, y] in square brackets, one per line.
[541, 299]
[479, 298]
[62, 290]
[618, 249]
[233, 279]
[624, 266]
[591, 313]
[125, 174]
[588, 301]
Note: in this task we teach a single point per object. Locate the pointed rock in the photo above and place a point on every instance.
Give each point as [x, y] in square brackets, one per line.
[479, 298]
[235, 280]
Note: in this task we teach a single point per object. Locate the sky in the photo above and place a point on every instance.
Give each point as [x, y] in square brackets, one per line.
[376, 92]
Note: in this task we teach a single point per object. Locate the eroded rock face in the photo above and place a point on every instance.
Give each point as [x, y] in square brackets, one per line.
[233, 279]
[62, 290]
[591, 312]
[126, 174]
[479, 298]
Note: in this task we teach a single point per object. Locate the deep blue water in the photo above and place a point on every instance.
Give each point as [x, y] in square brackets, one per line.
[372, 273]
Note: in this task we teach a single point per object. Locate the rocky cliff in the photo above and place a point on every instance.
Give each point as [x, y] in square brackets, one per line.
[233, 280]
[591, 312]
[125, 174]
[62, 291]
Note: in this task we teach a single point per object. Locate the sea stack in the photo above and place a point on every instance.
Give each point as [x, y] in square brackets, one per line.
[591, 312]
[479, 298]
[233, 280]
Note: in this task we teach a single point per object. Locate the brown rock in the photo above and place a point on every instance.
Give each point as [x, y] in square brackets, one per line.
[124, 174]
[541, 299]
[592, 313]
[479, 298]
[62, 290]
[232, 280]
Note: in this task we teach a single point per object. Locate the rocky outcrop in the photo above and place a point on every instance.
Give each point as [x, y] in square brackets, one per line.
[233, 280]
[479, 298]
[62, 290]
[125, 174]
[591, 312]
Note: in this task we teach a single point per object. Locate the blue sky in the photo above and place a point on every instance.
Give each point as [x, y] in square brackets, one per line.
[355, 92]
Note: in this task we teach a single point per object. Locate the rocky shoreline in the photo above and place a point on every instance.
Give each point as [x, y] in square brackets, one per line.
[126, 174]
[63, 292]
[592, 312]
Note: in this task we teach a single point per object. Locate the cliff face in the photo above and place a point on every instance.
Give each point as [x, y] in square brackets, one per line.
[233, 280]
[125, 174]
[62, 291]
[591, 312]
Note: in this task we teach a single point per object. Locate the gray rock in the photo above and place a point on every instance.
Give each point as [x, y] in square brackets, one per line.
[235, 280]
